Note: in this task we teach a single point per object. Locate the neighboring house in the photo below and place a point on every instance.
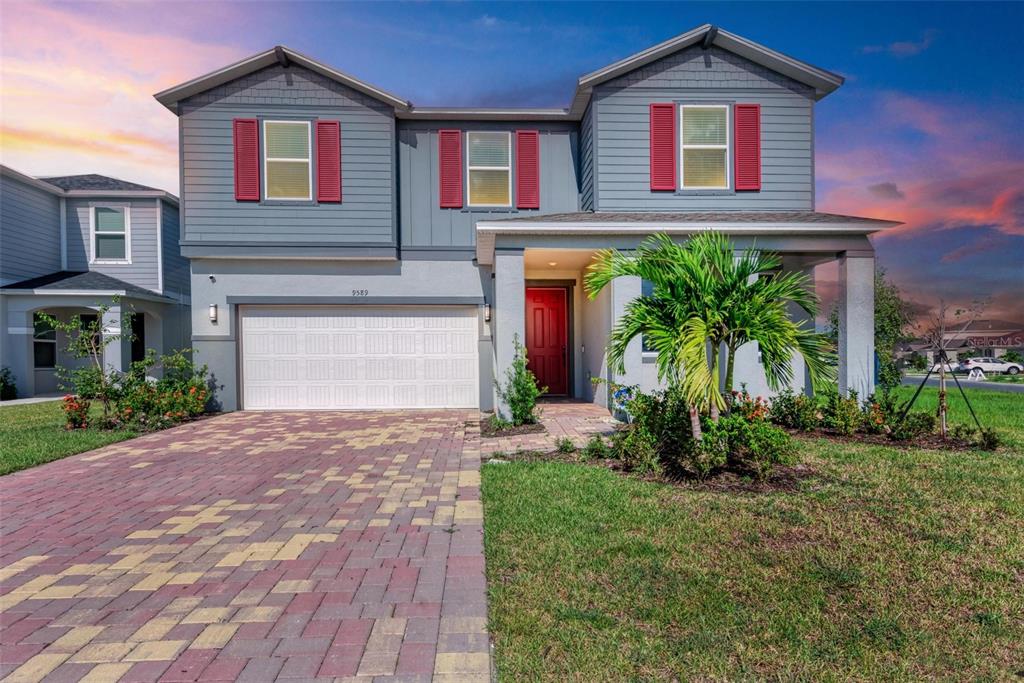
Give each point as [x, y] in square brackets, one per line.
[73, 243]
[351, 250]
[992, 337]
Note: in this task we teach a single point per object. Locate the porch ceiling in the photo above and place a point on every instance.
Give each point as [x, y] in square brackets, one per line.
[557, 259]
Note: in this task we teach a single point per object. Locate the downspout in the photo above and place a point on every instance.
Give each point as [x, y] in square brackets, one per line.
[63, 233]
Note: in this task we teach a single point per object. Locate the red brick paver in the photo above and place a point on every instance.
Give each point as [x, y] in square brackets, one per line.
[573, 420]
[251, 546]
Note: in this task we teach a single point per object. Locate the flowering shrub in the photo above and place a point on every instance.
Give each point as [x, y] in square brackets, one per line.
[795, 411]
[750, 408]
[76, 412]
[179, 395]
[841, 414]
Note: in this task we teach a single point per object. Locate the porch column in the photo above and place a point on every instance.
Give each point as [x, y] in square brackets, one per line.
[857, 323]
[509, 316]
[113, 353]
[624, 290]
[748, 370]
[17, 347]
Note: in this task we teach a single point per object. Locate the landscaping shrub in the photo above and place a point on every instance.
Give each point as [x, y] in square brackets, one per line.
[913, 426]
[989, 439]
[756, 446]
[751, 408]
[76, 412]
[181, 393]
[841, 414]
[8, 387]
[795, 411]
[701, 458]
[565, 446]
[520, 391]
[637, 449]
[596, 449]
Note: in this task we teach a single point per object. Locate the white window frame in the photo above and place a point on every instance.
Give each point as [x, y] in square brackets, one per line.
[469, 188]
[308, 160]
[127, 210]
[727, 147]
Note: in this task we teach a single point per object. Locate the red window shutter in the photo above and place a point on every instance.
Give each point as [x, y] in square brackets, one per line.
[328, 161]
[663, 146]
[747, 125]
[247, 159]
[449, 155]
[527, 169]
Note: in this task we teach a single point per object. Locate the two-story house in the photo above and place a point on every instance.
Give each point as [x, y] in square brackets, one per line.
[352, 250]
[73, 244]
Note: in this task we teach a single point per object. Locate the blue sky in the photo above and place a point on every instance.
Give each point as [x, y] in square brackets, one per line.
[926, 128]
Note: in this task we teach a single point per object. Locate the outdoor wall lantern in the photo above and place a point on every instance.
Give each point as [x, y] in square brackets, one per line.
[213, 313]
[487, 313]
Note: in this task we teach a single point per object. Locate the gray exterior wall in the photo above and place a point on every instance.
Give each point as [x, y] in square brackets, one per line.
[211, 215]
[693, 75]
[587, 160]
[425, 225]
[142, 270]
[29, 231]
[175, 266]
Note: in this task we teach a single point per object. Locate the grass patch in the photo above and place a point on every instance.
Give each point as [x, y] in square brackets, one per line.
[33, 434]
[888, 564]
[1001, 410]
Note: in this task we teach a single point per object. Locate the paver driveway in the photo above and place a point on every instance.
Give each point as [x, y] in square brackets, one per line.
[252, 546]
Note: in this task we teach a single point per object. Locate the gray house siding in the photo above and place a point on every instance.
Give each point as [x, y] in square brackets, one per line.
[175, 266]
[211, 214]
[30, 240]
[425, 225]
[142, 270]
[695, 75]
[587, 160]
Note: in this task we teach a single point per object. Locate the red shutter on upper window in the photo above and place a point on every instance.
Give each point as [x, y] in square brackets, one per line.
[449, 157]
[663, 146]
[328, 161]
[246, 134]
[527, 169]
[747, 124]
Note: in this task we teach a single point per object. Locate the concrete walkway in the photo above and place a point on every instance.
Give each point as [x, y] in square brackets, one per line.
[252, 546]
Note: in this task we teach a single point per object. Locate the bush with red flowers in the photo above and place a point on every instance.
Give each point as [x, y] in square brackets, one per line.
[76, 412]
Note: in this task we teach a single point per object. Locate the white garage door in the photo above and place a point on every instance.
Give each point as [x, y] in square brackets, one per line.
[347, 357]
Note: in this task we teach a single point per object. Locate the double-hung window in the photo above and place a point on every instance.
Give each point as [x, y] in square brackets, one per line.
[704, 146]
[489, 168]
[44, 343]
[288, 167]
[111, 234]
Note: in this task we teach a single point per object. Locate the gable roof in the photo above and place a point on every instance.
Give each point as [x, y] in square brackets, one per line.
[823, 82]
[278, 54]
[95, 181]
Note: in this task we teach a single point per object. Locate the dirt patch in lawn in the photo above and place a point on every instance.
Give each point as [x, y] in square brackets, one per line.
[489, 430]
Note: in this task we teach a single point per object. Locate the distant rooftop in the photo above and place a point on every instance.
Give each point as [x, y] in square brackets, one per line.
[95, 181]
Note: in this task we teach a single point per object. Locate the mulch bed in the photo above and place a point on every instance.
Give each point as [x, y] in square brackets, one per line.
[487, 429]
[929, 441]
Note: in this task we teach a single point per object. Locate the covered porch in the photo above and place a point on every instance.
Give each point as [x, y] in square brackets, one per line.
[540, 262]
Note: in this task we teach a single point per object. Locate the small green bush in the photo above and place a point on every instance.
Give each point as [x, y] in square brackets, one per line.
[596, 449]
[913, 426]
[989, 439]
[841, 414]
[701, 458]
[8, 387]
[795, 411]
[637, 449]
[565, 446]
[756, 446]
[520, 392]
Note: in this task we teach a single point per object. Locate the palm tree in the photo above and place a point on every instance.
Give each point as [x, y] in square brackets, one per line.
[706, 298]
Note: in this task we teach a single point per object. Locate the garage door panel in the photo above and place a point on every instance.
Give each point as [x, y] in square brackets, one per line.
[359, 357]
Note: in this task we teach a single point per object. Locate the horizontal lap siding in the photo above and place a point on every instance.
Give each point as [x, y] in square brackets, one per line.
[30, 241]
[366, 213]
[425, 224]
[623, 135]
[142, 271]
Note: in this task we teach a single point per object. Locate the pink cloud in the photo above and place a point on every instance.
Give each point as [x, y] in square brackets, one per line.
[904, 48]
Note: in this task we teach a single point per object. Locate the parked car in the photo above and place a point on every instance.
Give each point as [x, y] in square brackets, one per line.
[950, 367]
[991, 365]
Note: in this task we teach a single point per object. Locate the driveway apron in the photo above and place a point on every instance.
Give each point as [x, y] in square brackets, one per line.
[251, 546]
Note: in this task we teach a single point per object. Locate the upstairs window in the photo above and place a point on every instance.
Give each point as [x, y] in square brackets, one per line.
[704, 145]
[286, 157]
[111, 229]
[489, 161]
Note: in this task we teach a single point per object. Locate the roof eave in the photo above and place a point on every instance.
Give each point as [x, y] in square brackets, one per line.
[483, 114]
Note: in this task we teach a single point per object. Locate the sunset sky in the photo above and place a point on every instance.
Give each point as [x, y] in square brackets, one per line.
[926, 130]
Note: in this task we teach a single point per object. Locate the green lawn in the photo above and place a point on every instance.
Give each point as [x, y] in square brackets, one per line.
[885, 565]
[1001, 410]
[34, 433]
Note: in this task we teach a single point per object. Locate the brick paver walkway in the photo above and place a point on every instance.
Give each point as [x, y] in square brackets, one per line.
[251, 546]
[573, 420]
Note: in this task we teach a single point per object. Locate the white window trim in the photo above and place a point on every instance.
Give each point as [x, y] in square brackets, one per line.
[308, 161]
[127, 235]
[728, 147]
[469, 188]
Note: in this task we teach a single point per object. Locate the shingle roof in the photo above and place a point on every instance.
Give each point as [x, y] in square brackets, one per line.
[95, 181]
[68, 280]
[711, 217]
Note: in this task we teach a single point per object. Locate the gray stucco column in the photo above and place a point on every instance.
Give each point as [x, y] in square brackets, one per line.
[113, 353]
[17, 347]
[856, 324]
[624, 290]
[509, 311]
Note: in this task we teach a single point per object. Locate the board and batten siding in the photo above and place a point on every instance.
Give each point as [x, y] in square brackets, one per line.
[587, 160]
[142, 271]
[30, 236]
[211, 215]
[425, 225]
[699, 76]
[177, 277]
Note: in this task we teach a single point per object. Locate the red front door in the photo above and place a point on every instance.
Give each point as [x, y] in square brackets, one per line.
[547, 338]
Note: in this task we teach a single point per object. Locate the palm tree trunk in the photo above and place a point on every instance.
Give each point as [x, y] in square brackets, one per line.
[695, 423]
[730, 362]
